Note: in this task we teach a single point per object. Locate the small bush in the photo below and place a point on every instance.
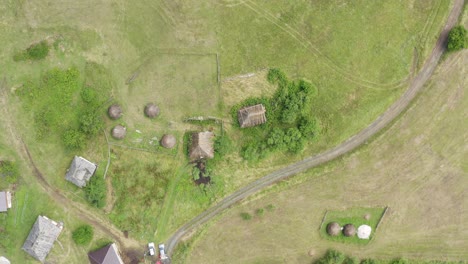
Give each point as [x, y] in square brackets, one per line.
[34, 52]
[399, 261]
[260, 212]
[222, 145]
[95, 191]
[246, 216]
[332, 257]
[83, 235]
[73, 139]
[270, 207]
[368, 261]
[9, 171]
[457, 39]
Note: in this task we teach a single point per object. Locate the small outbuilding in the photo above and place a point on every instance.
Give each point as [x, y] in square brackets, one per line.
[364, 231]
[114, 111]
[80, 171]
[41, 238]
[4, 260]
[168, 141]
[202, 146]
[333, 229]
[349, 230]
[5, 201]
[119, 132]
[152, 110]
[106, 255]
[251, 116]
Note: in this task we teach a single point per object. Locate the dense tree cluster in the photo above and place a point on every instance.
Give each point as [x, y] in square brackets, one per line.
[95, 191]
[289, 121]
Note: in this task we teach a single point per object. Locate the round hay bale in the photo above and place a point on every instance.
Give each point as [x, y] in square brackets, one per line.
[333, 229]
[151, 110]
[119, 132]
[349, 230]
[367, 217]
[114, 111]
[364, 231]
[312, 252]
[168, 141]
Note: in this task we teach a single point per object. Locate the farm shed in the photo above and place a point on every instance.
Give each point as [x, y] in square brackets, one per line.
[202, 146]
[114, 111]
[80, 171]
[106, 255]
[41, 238]
[251, 116]
[5, 201]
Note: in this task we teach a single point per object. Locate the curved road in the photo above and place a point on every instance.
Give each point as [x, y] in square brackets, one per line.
[386, 118]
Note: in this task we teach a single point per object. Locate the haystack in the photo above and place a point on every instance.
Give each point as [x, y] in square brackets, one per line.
[114, 111]
[119, 132]
[349, 230]
[333, 229]
[364, 231]
[151, 110]
[168, 141]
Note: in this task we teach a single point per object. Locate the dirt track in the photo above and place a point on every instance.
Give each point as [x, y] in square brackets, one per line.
[352, 143]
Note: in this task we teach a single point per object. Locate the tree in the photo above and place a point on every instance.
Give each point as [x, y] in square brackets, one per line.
[95, 191]
[275, 139]
[83, 235]
[308, 127]
[456, 39]
[293, 140]
[73, 139]
[90, 123]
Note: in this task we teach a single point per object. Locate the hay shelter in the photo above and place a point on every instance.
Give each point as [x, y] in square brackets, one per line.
[152, 110]
[119, 132]
[168, 141]
[333, 229]
[114, 111]
[41, 238]
[80, 171]
[202, 146]
[106, 255]
[251, 116]
[349, 230]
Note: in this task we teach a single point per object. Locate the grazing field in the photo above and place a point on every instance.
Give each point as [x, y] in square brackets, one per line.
[196, 58]
[417, 167]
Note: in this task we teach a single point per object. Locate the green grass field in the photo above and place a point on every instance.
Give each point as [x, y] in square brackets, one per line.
[417, 168]
[359, 55]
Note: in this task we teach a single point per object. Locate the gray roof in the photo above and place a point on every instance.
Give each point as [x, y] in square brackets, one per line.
[41, 238]
[202, 146]
[106, 255]
[251, 115]
[80, 171]
[5, 201]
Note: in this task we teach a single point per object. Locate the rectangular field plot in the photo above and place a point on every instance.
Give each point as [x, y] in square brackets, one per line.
[356, 217]
[181, 85]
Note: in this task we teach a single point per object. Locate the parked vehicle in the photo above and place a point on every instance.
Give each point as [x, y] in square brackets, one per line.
[162, 252]
[151, 248]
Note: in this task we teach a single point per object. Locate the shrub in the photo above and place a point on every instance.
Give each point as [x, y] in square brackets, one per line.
[399, 261]
[90, 122]
[83, 235]
[260, 212]
[270, 207]
[368, 261]
[9, 170]
[95, 191]
[36, 51]
[246, 216]
[73, 139]
[456, 39]
[332, 257]
[350, 260]
[222, 145]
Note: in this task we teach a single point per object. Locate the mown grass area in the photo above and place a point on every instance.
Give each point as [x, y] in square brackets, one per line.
[416, 167]
[354, 216]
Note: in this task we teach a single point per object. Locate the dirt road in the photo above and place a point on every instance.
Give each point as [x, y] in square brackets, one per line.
[352, 143]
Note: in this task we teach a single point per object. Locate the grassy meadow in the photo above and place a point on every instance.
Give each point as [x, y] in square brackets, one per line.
[191, 58]
[417, 168]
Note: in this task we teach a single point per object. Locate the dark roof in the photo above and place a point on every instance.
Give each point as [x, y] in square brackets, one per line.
[80, 171]
[251, 115]
[202, 146]
[41, 238]
[106, 255]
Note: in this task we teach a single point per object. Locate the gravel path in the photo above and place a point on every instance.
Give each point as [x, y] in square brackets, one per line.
[355, 141]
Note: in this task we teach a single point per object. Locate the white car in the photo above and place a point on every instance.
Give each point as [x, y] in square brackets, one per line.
[151, 248]
[162, 252]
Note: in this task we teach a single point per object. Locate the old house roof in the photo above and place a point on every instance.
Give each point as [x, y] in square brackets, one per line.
[250, 116]
[202, 146]
[106, 255]
[80, 171]
[5, 201]
[41, 238]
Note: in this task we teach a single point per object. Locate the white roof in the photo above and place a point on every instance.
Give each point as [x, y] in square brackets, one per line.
[364, 231]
